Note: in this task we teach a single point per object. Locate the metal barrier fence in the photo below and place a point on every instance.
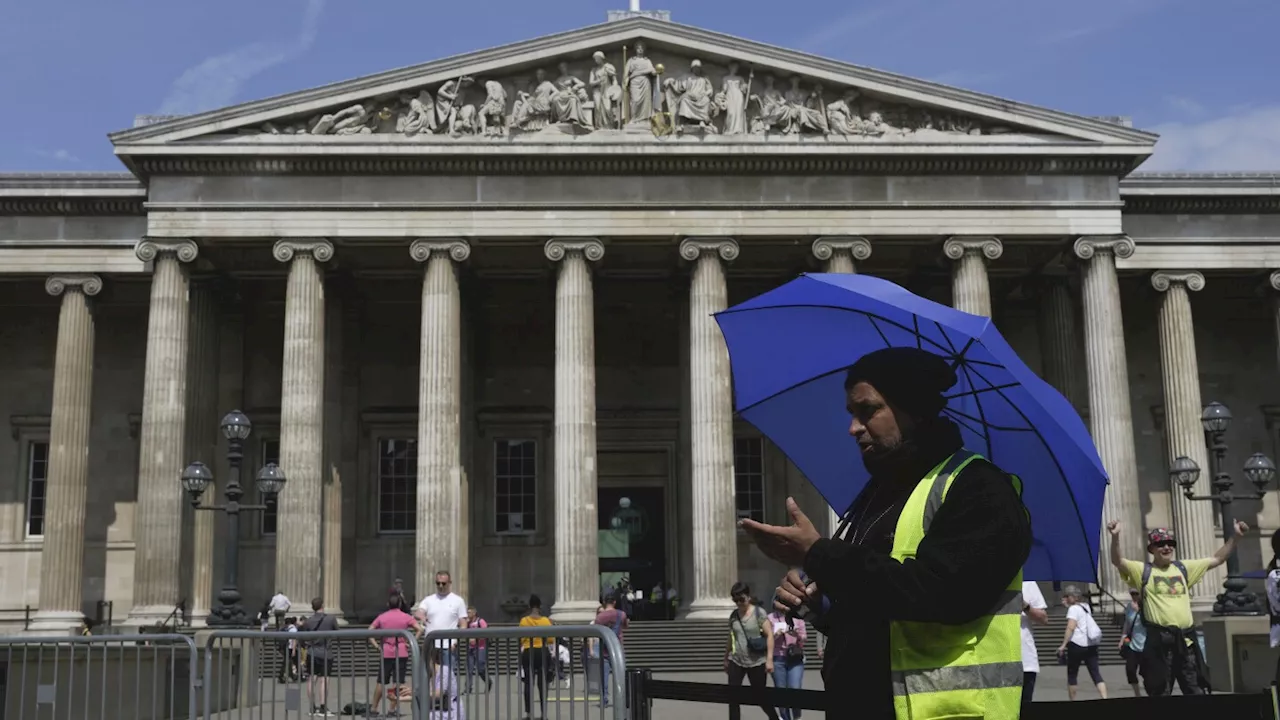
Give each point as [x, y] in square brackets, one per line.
[573, 670]
[261, 675]
[148, 677]
[643, 689]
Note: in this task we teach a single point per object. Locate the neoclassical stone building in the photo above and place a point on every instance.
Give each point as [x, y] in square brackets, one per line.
[467, 307]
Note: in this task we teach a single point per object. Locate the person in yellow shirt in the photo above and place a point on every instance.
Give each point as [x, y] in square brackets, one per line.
[534, 662]
[1172, 649]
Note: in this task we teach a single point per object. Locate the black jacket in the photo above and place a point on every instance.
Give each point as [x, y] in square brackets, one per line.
[978, 541]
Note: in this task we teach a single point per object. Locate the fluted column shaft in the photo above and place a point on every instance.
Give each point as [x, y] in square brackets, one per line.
[1275, 304]
[202, 441]
[1110, 414]
[439, 412]
[1059, 343]
[298, 531]
[841, 255]
[577, 514]
[715, 545]
[970, 290]
[335, 409]
[158, 513]
[62, 554]
[1184, 435]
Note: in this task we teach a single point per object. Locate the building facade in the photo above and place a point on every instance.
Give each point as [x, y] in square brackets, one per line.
[467, 307]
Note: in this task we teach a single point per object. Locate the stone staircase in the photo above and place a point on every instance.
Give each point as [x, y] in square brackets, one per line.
[686, 646]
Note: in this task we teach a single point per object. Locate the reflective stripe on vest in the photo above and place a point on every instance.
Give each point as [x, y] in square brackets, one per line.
[954, 671]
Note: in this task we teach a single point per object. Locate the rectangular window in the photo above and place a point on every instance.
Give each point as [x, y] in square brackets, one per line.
[397, 485]
[748, 477]
[270, 453]
[37, 484]
[515, 475]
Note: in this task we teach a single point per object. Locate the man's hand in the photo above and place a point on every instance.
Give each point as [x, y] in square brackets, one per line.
[787, 545]
[792, 593]
[1242, 527]
[1113, 527]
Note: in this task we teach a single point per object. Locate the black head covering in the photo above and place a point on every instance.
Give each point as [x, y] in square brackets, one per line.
[912, 379]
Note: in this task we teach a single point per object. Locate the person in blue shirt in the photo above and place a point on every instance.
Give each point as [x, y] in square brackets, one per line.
[1133, 640]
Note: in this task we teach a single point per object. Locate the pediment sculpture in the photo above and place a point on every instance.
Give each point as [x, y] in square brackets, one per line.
[644, 99]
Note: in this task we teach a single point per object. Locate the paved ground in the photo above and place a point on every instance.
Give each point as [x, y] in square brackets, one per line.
[504, 700]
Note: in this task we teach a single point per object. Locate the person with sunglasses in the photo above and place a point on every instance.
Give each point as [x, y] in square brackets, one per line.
[1171, 652]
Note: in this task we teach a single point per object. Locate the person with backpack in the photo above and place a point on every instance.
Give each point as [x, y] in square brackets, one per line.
[749, 652]
[1273, 596]
[1080, 642]
[1171, 652]
[611, 617]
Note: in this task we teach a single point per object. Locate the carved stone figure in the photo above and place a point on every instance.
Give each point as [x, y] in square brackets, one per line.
[690, 98]
[806, 111]
[732, 100]
[640, 74]
[352, 120]
[606, 94]
[452, 112]
[568, 103]
[493, 113]
[843, 117]
[420, 117]
[537, 107]
[774, 112]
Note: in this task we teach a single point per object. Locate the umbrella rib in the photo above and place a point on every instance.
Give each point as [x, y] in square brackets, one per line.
[983, 423]
[1053, 456]
[993, 388]
[864, 313]
[960, 418]
[879, 332]
[982, 416]
[960, 363]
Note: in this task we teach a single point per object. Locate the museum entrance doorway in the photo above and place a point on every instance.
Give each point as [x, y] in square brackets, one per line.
[632, 525]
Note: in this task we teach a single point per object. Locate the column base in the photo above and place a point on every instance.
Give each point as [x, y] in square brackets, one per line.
[712, 609]
[56, 622]
[573, 611]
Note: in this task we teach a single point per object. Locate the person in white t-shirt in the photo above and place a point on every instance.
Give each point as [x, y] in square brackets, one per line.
[1080, 641]
[1034, 612]
[445, 611]
[279, 608]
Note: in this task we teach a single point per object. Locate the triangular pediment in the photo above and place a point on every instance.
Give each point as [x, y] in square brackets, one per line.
[554, 90]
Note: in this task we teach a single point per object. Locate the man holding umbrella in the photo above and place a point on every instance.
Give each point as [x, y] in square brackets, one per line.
[919, 592]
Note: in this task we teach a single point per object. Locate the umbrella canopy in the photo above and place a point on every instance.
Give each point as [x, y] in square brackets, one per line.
[789, 349]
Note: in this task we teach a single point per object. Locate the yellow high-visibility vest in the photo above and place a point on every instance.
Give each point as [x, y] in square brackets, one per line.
[940, 671]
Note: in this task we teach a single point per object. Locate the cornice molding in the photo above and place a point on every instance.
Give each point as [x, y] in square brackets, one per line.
[558, 249]
[1201, 204]
[458, 250]
[824, 248]
[1162, 280]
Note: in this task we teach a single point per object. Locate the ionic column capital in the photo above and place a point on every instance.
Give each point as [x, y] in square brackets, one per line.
[56, 285]
[1275, 280]
[319, 249]
[693, 248]
[1162, 280]
[148, 249]
[557, 249]
[1121, 246]
[457, 249]
[956, 247]
[824, 248]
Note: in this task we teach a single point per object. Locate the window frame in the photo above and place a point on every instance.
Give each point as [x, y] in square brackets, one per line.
[272, 435]
[378, 438]
[538, 460]
[27, 443]
[763, 492]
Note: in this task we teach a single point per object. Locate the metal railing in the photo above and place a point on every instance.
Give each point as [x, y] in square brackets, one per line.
[581, 674]
[341, 673]
[150, 677]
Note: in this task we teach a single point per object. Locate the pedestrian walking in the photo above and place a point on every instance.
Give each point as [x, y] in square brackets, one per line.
[445, 611]
[1034, 612]
[319, 658]
[534, 658]
[477, 652]
[1080, 642]
[616, 620]
[1132, 641]
[1273, 596]
[789, 636]
[749, 650]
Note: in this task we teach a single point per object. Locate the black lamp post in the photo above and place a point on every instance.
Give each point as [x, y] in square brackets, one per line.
[1258, 469]
[228, 612]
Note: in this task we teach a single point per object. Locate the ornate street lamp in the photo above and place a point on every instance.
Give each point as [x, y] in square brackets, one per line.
[1258, 469]
[228, 612]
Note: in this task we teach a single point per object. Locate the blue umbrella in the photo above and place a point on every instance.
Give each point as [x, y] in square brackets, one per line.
[789, 348]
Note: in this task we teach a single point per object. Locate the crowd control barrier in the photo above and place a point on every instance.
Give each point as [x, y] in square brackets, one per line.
[561, 671]
[147, 677]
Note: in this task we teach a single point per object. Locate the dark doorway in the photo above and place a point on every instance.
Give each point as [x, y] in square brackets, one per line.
[632, 541]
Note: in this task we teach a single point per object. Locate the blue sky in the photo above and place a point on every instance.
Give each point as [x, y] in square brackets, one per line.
[1206, 75]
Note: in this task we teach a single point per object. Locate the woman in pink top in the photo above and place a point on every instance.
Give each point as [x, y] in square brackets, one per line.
[395, 654]
[788, 657]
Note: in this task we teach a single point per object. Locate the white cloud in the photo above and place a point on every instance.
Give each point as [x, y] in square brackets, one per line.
[1184, 105]
[216, 81]
[1245, 140]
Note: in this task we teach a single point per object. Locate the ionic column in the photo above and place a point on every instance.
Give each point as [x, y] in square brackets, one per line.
[1059, 343]
[1110, 415]
[439, 411]
[841, 255]
[1275, 302]
[158, 512]
[62, 554]
[715, 542]
[202, 440]
[577, 558]
[335, 409]
[298, 568]
[970, 290]
[1184, 435]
